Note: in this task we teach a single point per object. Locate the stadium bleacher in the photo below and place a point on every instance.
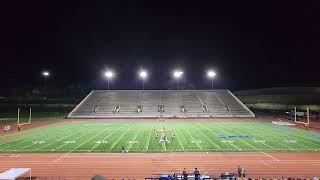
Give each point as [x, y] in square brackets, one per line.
[160, 103]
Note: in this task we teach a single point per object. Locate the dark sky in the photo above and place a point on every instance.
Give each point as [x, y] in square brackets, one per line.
[251, 44]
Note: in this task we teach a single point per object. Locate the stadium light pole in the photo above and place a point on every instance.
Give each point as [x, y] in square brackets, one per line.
[108, 75]
[211, 74]
[143, 75]
[45, 74]
[177, 75]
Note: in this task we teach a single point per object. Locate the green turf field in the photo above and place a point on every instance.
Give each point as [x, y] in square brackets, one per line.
[141, 137]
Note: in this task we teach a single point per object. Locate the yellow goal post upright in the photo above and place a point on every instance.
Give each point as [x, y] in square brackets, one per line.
[18, 117]
[308, 117]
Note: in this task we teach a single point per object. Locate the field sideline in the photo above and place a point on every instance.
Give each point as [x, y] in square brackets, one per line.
[142, 137]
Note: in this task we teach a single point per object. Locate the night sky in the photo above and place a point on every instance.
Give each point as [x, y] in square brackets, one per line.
[251, 44]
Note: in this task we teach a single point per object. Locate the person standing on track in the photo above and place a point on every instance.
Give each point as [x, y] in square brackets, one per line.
[123, 150]
[196, 174]
[243, 172]
[239, 171]
[185, 174]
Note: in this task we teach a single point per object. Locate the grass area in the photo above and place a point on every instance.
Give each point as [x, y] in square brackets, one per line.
[142, 137]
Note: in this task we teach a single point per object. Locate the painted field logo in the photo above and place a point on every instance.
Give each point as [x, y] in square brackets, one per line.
[233, 136]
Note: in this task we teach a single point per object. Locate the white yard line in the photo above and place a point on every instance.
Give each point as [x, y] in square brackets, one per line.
[240, 138]
[25, 139]
[57, 140]
[79, 137]
[30, 141]
[89, 140]
[216, 135]
[193, 139]
[234, 129]
[179, 139]
[147, 145]
[103, 140]
[295, 136]
[130, 145]
[209, 139]
[115, 143]
[270, 156]
[66, 154]
[280, 137]
[266, 137]
[258, 134]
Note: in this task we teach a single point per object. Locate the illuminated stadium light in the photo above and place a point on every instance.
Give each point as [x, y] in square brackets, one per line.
[109, 75]
[211, 74]
[177, 74]
[45, 73]
[143, 75]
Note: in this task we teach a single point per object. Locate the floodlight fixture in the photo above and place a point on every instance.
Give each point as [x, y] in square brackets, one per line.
[211, 74]
[177, 74]
[143, 74]
[108, 74]
[45, 73]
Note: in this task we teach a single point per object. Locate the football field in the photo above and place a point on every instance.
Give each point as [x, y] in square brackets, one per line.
[160, 137]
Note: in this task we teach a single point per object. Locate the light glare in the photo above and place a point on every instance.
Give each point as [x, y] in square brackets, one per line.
[143, 74]
[177, 74]
[211, 74]
[45, 73]
[109, 74]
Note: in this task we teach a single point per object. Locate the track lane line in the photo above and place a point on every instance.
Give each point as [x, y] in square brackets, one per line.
[270, 156]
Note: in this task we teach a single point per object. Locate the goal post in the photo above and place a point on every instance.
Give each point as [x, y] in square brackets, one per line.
[305, 117]
[19, 123]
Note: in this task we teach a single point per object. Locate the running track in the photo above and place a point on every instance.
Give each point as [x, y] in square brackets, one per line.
[139, 165]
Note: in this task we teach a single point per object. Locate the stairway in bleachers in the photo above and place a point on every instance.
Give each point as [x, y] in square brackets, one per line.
[160, 103]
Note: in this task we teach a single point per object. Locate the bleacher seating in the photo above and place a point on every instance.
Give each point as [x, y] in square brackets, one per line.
[160, 103]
